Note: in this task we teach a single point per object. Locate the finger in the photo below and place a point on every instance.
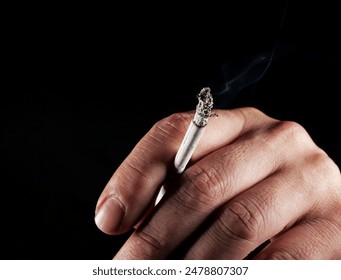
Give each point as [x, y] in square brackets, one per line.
[134, 185]
[254, 216]
[317, 239]
[271, 207]
[318, 234]
[130, 189]
[208, 184]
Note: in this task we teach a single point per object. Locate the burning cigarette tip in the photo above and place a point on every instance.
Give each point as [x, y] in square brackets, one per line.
[204, 107]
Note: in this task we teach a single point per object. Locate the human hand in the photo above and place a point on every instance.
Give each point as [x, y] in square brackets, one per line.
[251, 179]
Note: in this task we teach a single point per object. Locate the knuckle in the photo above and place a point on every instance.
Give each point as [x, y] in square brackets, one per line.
[292, 128]
[148, 244]
[165, 135]
[171, 127]
[320, 170]
[205, 184]
[325, 167]
[289, 132]
[242, 221]
[254, 115]
[135, 166]
[250, 111]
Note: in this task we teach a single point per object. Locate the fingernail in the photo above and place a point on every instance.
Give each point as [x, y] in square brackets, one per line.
[109, 216]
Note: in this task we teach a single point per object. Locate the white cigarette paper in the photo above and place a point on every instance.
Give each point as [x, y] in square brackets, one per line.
[188, 146]
[193, 134]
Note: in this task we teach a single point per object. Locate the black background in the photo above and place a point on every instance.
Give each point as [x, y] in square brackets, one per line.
[83, 84]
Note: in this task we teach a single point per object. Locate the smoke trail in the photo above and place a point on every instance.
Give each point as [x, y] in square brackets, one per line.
[242, 72]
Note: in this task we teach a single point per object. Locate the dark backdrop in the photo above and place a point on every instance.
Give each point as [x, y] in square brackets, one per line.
[83, 84]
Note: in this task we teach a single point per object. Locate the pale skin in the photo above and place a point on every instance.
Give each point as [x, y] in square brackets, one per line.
[251, 179]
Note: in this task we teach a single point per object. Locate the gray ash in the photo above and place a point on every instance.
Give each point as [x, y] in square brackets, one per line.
[204, 107]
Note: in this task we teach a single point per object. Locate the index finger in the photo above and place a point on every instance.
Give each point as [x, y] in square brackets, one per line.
[134, 185]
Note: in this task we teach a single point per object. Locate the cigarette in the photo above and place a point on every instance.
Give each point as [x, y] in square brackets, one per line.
[195, 130]
[193, 134]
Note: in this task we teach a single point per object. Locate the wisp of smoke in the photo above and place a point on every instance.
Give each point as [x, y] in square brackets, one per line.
[242, 72]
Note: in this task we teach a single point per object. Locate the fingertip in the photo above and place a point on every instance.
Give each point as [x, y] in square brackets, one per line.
[109, 216]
